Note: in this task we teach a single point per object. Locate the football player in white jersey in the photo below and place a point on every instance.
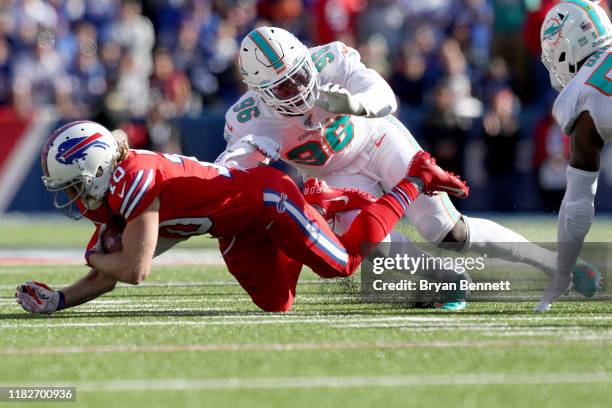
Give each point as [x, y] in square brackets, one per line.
[576, 41]
[325, 113]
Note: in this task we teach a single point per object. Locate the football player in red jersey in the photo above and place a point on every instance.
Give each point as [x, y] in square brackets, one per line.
[266, 229]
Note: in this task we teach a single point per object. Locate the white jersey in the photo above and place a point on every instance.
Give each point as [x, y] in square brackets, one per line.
[312, 148]
[590, 90]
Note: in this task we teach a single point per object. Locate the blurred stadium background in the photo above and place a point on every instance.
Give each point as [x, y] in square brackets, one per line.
[467, 73]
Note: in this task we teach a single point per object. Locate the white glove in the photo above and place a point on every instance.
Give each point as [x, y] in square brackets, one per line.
[250, 151]
[36, 297]
[266, 146]
[336, 99]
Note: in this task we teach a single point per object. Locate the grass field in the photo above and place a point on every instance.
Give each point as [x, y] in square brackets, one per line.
[189, 336]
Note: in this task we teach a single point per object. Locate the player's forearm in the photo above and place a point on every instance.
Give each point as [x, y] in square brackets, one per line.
[119, 267]
[249, 151]
[91, 286]
[373, 92]
[132, 263]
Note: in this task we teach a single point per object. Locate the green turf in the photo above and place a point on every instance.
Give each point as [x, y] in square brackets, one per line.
[191, 337]
[59, 232]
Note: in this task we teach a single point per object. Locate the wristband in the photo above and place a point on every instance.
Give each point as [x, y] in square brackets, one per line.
[62, 300]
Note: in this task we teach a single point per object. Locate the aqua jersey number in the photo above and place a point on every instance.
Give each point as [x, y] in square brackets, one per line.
[336, 136]
[600, 78]
[246, 110]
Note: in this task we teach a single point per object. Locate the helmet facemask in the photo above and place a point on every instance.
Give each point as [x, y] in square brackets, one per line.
[84, 189]
[559, 61]
[295, 93]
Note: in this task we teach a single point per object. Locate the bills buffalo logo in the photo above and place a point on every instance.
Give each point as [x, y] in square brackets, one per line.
[75, 149]
[554, 29]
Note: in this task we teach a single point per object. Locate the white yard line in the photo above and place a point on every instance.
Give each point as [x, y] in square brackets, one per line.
[174, 284]
[152, 284]
[172, 348]
[178, 256]
[235, 383]
[340, 321]
[490, 330]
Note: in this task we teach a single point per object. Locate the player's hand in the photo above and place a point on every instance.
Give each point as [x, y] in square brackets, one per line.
[97, 248]
[335, 99]
[266, 146]
[36, 297]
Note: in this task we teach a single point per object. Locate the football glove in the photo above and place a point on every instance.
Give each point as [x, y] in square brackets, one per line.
[266, 146]
[335, 99]
[249, 151]
[36, 297]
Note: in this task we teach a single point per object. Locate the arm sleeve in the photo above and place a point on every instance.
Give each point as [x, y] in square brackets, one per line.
[599, 109]
[571, 103]
[365, 84]
[566, 110]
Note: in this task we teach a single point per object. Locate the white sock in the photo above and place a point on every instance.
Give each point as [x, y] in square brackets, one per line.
[496, 241]
[400, 244]
[575, 218]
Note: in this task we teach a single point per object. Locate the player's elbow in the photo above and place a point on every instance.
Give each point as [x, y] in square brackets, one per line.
[393, 103]
[135, 276]
[141, 272]
[135, 273]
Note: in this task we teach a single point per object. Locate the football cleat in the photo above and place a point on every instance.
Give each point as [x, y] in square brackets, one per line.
[586, 279]
[454, 300]
[434, 178]
[557, 287]
[542, 307]
[452, 306]
[331, 200]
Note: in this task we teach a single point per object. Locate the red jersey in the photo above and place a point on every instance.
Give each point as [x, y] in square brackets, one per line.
[195, 197]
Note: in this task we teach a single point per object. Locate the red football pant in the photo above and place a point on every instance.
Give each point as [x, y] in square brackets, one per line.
[266, 258]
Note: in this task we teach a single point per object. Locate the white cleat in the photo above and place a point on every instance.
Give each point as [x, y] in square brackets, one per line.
[543, 307]
[555, 289]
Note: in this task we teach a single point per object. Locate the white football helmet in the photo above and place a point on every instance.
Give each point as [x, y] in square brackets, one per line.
[78, 160]
[572, 30]
[279, 68]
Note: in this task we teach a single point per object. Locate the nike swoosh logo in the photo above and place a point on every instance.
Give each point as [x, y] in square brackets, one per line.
[341, 198]
[457, 191]
[379, 141]
[122, 191]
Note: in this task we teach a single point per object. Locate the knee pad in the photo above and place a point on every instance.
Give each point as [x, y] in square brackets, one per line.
[434, 229]
[579, 217]
[578, 207]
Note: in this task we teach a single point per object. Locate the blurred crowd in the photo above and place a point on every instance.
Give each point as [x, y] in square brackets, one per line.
[465, 71]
